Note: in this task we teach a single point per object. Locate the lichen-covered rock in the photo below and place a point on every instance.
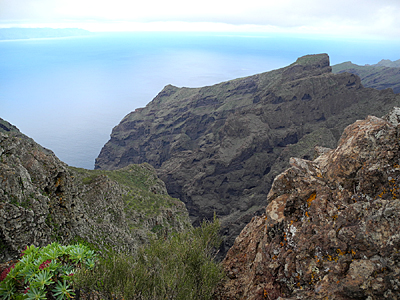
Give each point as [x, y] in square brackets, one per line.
[331, 229]
[218, 148]
[43, 200]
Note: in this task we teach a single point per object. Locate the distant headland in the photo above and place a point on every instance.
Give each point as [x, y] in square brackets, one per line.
[32, 33]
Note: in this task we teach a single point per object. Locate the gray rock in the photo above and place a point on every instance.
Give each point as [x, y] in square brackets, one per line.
[43, 200]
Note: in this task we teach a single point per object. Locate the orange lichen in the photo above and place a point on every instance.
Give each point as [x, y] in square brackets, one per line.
[311, 198]
[340, 252]
[265, 293]
[382, 193]
[58, 182]
[332, 258]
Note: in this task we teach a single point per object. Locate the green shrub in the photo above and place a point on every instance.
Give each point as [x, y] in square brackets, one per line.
[178, 267]
[45, 273]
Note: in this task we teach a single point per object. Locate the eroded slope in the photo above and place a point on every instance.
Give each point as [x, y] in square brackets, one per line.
[43, 200]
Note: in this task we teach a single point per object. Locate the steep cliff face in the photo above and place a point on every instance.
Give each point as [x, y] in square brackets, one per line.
[43, 200]
[331, 228]
[218, 148]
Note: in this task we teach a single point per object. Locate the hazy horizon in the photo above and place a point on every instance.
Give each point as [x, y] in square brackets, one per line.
[368, 19]
[68, 93]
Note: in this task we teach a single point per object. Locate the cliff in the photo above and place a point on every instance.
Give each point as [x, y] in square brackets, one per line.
[43, 200]
[218, 148]
[331, 228]
[383, 75]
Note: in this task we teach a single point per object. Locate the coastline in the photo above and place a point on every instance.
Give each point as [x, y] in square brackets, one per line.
[43, 39]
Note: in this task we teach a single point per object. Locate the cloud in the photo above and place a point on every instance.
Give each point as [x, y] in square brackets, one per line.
[360, 16]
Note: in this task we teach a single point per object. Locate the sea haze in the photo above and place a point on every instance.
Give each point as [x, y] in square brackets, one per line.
[68, 93]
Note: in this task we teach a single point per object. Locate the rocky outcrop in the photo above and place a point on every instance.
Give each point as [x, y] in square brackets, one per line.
[331, 228]
[383, 75]
[43, 200]
[218, 148]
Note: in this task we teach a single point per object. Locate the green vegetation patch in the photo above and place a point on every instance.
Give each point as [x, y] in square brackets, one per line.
[143, 191]
[45, 273]
[133, 176]
[180, 266]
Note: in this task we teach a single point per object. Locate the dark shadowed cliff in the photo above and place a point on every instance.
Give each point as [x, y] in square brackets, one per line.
[42, 200]
[218, 148]
[331, 229]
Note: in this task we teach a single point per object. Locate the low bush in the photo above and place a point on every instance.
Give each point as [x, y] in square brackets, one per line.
[45, 273]
[179, 267]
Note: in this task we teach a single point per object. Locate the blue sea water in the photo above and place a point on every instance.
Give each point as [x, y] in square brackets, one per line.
[68, 93]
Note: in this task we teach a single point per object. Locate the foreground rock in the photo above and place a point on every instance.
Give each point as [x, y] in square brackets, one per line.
[43, 200]
[331, 229]
[218, 148]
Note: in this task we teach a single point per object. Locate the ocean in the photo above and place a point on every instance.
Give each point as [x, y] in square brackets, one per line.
[68, 93]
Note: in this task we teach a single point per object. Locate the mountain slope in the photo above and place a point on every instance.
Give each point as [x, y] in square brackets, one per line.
[218, 148]
[388, 63]
[385, 74]
[43, 200]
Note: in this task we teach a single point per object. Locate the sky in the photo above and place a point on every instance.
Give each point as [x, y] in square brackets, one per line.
[376, 19]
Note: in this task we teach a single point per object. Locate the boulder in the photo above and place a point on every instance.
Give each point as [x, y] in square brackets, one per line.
[331, 228]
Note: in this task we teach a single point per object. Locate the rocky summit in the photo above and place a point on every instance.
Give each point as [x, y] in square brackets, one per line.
[331, 228]
[42, 200]
[218, 148]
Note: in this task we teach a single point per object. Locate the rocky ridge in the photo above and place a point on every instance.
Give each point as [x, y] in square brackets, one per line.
[218, 148]
[43, 200]
[383, 75]
[388, 63]
[331, 228]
